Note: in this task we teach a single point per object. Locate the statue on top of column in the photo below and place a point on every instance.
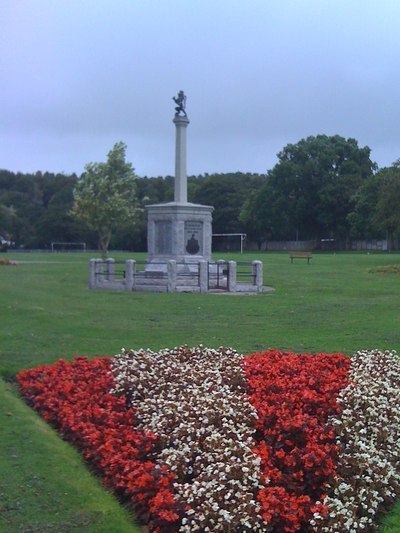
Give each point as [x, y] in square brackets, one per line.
[180, 101]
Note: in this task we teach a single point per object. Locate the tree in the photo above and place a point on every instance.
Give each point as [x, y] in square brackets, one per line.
[105, 195]
[309, 193]
[362, 218]
[387, 214]
[36, 208]
[376, 214]
[227, 193]
[254, 219]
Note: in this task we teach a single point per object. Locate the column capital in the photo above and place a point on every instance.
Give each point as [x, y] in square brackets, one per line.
[180, 120]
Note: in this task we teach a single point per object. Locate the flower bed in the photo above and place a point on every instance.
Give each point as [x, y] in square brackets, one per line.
[208, 440]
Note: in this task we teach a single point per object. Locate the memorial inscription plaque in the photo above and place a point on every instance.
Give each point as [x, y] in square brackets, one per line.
[194, 237]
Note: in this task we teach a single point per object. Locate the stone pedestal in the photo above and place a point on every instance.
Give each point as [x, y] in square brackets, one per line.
[179, 231]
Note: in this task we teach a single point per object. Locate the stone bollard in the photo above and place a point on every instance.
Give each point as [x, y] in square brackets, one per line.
[92, 274]
[203, 276]
[99, 273]
[130, 271]
[172, 276]
[258, 275]
[110, 269]
[231, 276]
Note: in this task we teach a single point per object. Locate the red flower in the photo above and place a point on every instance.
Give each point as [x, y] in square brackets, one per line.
[294, 395]
[74, 397]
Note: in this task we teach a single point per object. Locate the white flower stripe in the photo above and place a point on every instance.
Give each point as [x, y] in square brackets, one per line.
[368, 438]
[195, 401]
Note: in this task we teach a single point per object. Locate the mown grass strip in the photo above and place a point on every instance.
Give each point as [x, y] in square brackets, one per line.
[44, 484]
[339, 302]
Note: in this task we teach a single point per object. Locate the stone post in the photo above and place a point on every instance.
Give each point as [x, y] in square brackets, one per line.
[110, 269]
[203, 276]
[99, 273]
[92, 274]
[172, 275]
[231, 276]
[130, 270]
[258, 275]
[222, 273]
[181, 124]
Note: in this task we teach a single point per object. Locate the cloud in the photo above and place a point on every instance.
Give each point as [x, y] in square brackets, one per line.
[78, 76]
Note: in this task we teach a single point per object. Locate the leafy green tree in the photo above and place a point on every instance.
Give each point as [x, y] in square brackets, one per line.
[57, 222]
[387, 215]
[362, 218]
[155, 190]
[35, 207]
[227, 193]
[105, 195]
[257, 222]
[376, 214]
[309, 193]
[7, 220]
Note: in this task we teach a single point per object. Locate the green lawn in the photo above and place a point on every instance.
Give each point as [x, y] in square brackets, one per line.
[337, 303]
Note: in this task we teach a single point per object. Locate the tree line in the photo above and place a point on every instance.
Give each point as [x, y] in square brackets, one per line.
[323, 187]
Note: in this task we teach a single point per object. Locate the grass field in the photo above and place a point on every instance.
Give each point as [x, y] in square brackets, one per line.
[338, 303]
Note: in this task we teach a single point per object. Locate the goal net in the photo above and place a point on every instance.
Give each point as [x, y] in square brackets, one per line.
[228, 242]
[68, 247]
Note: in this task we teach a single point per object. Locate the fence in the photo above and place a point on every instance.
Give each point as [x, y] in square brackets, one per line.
[370, 245]
[376, 245]
[172, 276]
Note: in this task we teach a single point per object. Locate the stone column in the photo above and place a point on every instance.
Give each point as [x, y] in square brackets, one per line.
[203, 276]
[110, 269]
[172, 275]
[181, 124]
[92, 273]
[258, 275]
[130, 271]
[99, 273]
[231, 276]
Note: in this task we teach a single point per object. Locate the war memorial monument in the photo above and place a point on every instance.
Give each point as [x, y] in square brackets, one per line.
[179, 230]
[179, 240]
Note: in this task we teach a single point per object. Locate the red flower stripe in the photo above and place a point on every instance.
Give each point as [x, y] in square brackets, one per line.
[294, 396]
[74, 398]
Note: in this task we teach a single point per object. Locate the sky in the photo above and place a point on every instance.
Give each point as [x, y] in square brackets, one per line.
[77, 76]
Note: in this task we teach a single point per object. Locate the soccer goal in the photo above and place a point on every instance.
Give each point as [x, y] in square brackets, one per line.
[68, 246]
[229, 242]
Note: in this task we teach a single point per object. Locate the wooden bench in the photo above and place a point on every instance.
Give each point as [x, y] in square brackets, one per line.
[300, 255]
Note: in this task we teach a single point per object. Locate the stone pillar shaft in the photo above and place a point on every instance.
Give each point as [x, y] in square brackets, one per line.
[92, 274]
[203, 276]
[231, 276]
[172, 275]
[130, 271]
[258, 275]
[181, 124]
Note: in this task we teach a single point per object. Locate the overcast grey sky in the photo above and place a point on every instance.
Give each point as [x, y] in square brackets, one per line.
[76, 76]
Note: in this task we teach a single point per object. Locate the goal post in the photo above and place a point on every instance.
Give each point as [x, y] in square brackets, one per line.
[235, 237]
[68, 246]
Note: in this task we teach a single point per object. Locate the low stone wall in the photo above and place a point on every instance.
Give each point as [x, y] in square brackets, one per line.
[171, 276]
